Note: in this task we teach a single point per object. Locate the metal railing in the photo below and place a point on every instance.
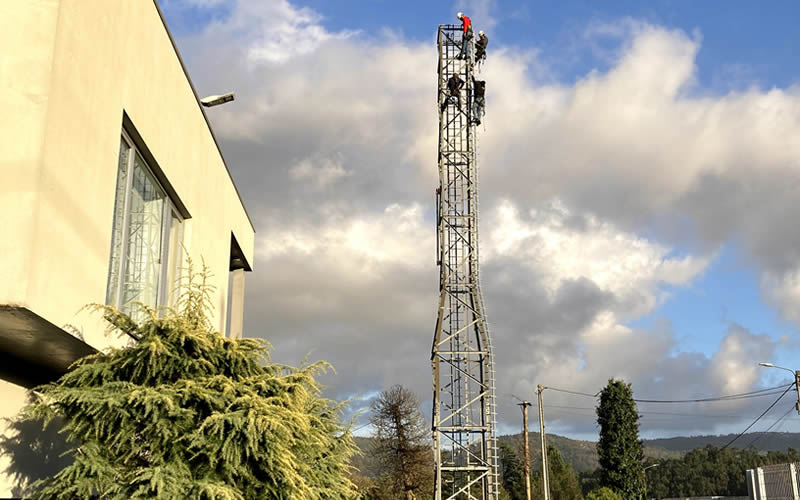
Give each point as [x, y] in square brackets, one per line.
[774, 482]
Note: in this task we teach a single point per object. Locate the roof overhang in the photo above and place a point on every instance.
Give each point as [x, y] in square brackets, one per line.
[238, 258]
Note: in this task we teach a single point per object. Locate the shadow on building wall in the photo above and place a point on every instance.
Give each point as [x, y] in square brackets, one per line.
[34, 453]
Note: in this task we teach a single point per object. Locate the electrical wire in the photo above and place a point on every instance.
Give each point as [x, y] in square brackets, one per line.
[764, 433]
[572, 392]
[780, 425]
[360, 427]
[730, 397]
[759, 417]
[781, 389]
[648, 412]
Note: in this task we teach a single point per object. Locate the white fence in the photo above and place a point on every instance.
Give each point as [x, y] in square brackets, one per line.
[708, 498]
[774, 482]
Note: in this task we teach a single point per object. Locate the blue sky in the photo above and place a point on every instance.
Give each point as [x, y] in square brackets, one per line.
[738, 35]
[743, 42]
[717, 240]
[726, 294]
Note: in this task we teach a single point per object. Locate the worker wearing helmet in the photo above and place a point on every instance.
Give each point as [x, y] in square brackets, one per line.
[480, 47]
[466, 34]
[478, 100]
[454, 85]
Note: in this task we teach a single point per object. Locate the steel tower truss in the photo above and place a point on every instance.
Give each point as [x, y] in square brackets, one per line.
[464, 423]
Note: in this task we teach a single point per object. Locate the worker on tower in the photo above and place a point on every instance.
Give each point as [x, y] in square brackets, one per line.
[454, 85]
[466, 34]
[478, 100]
[480, 47]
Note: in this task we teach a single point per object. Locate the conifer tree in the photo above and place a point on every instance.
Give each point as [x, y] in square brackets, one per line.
[603, 494]
[401, 443]
[619, 447]
[564, 484]
[511, 471]
[183, 412]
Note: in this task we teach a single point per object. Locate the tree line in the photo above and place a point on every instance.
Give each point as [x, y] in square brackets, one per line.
[401, 448]
[711, 471]
[706, 471]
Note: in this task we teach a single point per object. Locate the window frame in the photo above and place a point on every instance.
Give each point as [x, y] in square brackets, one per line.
[170, 211]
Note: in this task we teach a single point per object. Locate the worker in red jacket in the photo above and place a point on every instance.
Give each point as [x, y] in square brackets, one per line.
[466, 34]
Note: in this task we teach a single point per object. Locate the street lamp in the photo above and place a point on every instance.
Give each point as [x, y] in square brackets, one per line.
[796, 374]
[770, 365]
[214, 100]
[644, 477]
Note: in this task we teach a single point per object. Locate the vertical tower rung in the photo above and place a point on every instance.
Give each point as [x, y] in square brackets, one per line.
[464, 422]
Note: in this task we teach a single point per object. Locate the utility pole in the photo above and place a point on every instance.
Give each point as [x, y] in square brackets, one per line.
[796, 374]
[797, 386]
[545, 475]
[527, 461]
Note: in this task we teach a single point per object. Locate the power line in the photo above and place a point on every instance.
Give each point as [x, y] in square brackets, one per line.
[760, 416]
[780, 425]
[650, 412]
[763, 433]
[730, 397]
[572, 392]
[360, 427]
[688, 414]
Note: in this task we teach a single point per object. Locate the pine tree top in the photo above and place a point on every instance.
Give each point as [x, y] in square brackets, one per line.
[183, 412]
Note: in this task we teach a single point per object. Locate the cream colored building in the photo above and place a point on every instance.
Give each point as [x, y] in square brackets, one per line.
[109, 176]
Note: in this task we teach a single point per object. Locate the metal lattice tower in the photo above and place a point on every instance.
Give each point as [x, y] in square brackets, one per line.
[464, 422]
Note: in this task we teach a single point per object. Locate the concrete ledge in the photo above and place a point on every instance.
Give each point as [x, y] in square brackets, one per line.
[34, 351]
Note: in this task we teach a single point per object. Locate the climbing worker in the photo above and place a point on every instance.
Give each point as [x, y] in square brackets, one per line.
[454, 85]
[480, 47]
[466, 34]
[478, 100]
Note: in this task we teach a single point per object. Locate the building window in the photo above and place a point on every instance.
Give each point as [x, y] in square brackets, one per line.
[146, 239]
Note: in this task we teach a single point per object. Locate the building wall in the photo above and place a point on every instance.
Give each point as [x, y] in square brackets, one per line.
[66, 88]
[68, 71]
[25, 84]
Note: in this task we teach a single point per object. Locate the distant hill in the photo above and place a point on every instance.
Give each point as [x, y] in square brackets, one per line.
[770, 441]
[582, 455]
[363, 462]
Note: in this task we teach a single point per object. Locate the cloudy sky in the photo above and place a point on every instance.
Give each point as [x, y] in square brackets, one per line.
[640, 169]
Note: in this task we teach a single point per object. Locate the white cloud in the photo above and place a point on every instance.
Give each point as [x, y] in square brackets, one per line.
[321, 173]
[368, 283]
[734, 369]
[783, 291]
[559, 245]
[287, 32]
[275, 31]
[392, 236]
[642, 141]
